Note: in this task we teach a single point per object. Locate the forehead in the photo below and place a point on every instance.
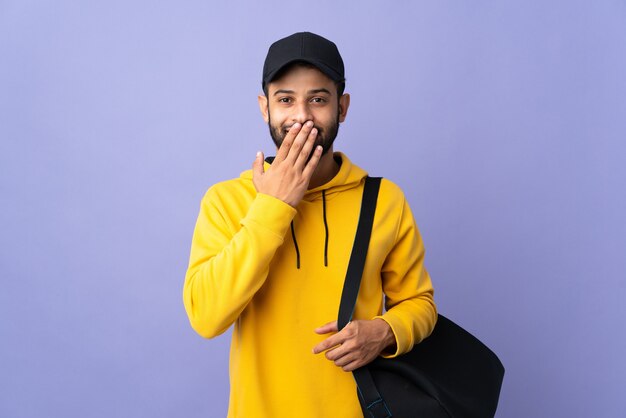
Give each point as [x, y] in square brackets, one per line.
[301, 78]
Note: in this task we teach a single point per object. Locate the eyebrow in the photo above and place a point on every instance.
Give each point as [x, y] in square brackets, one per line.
[283, 91]
[314, 91]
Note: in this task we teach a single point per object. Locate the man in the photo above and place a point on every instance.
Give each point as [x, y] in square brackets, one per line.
[270, 251]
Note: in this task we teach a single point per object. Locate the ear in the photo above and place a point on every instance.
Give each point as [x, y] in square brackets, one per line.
[263, 106]
[344, 104]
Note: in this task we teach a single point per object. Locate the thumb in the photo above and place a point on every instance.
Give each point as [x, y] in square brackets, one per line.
[257, 166]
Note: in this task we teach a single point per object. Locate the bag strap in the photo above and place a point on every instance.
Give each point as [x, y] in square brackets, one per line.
[365, 383]
[359, 252]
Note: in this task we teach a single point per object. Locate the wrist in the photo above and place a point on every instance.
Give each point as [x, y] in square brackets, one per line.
[389, 338]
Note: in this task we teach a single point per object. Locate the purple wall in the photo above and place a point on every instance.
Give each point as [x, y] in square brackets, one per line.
[504, 122]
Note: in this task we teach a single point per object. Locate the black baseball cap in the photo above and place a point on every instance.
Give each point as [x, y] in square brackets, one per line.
[307, 47]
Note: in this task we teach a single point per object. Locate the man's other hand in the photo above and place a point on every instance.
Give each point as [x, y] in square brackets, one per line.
[290, 173]
[357, 344]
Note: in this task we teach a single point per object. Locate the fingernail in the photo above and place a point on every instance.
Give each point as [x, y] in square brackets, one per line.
[258, 153]
[295, 125]
[314, 131]
[309, 123]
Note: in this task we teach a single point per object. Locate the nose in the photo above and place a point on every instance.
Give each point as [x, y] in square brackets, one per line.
[301, 113]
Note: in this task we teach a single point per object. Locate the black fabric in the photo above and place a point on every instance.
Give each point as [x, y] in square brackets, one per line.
[451, 367]
[404, 397]
[307, 47]
[450, 374]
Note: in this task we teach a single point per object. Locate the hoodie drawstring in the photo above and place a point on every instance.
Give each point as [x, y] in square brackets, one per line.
[295, 244]
[295, 241]
[325, 228]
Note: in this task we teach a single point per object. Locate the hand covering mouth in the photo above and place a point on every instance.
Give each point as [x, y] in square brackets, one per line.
[286, 129]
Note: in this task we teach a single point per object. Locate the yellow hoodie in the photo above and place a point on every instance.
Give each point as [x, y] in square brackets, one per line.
[277, 273]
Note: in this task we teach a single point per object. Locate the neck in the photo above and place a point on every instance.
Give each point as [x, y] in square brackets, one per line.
[326, 169]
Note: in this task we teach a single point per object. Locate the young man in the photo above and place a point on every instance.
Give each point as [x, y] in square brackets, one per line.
[270, 252]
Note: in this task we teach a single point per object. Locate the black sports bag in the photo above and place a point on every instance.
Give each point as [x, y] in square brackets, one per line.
[450, 374]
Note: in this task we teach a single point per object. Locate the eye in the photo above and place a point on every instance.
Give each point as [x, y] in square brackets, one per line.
[284, 100]
[318, 100]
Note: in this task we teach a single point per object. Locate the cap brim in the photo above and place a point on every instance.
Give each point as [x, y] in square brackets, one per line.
[329, 72]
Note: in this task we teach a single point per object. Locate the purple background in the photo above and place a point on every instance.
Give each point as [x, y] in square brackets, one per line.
[504, 122]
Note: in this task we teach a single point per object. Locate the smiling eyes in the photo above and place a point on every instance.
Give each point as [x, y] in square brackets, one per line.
[288, 100]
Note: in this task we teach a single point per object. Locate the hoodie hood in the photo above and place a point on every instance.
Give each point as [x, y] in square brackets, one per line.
[348, 177]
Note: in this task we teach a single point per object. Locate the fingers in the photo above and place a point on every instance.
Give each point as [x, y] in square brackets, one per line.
[352, 347]
[329, 342]
[312, 164]
[345, 358]
[285, 147]
[305, 152]
[287, 179]
[353, 365]
[297, 147]
[327, 328]
[348, 361]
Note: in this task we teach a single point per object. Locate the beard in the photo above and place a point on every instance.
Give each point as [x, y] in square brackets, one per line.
[325, 136]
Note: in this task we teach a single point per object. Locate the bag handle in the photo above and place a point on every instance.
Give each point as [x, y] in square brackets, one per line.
[365, 383]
